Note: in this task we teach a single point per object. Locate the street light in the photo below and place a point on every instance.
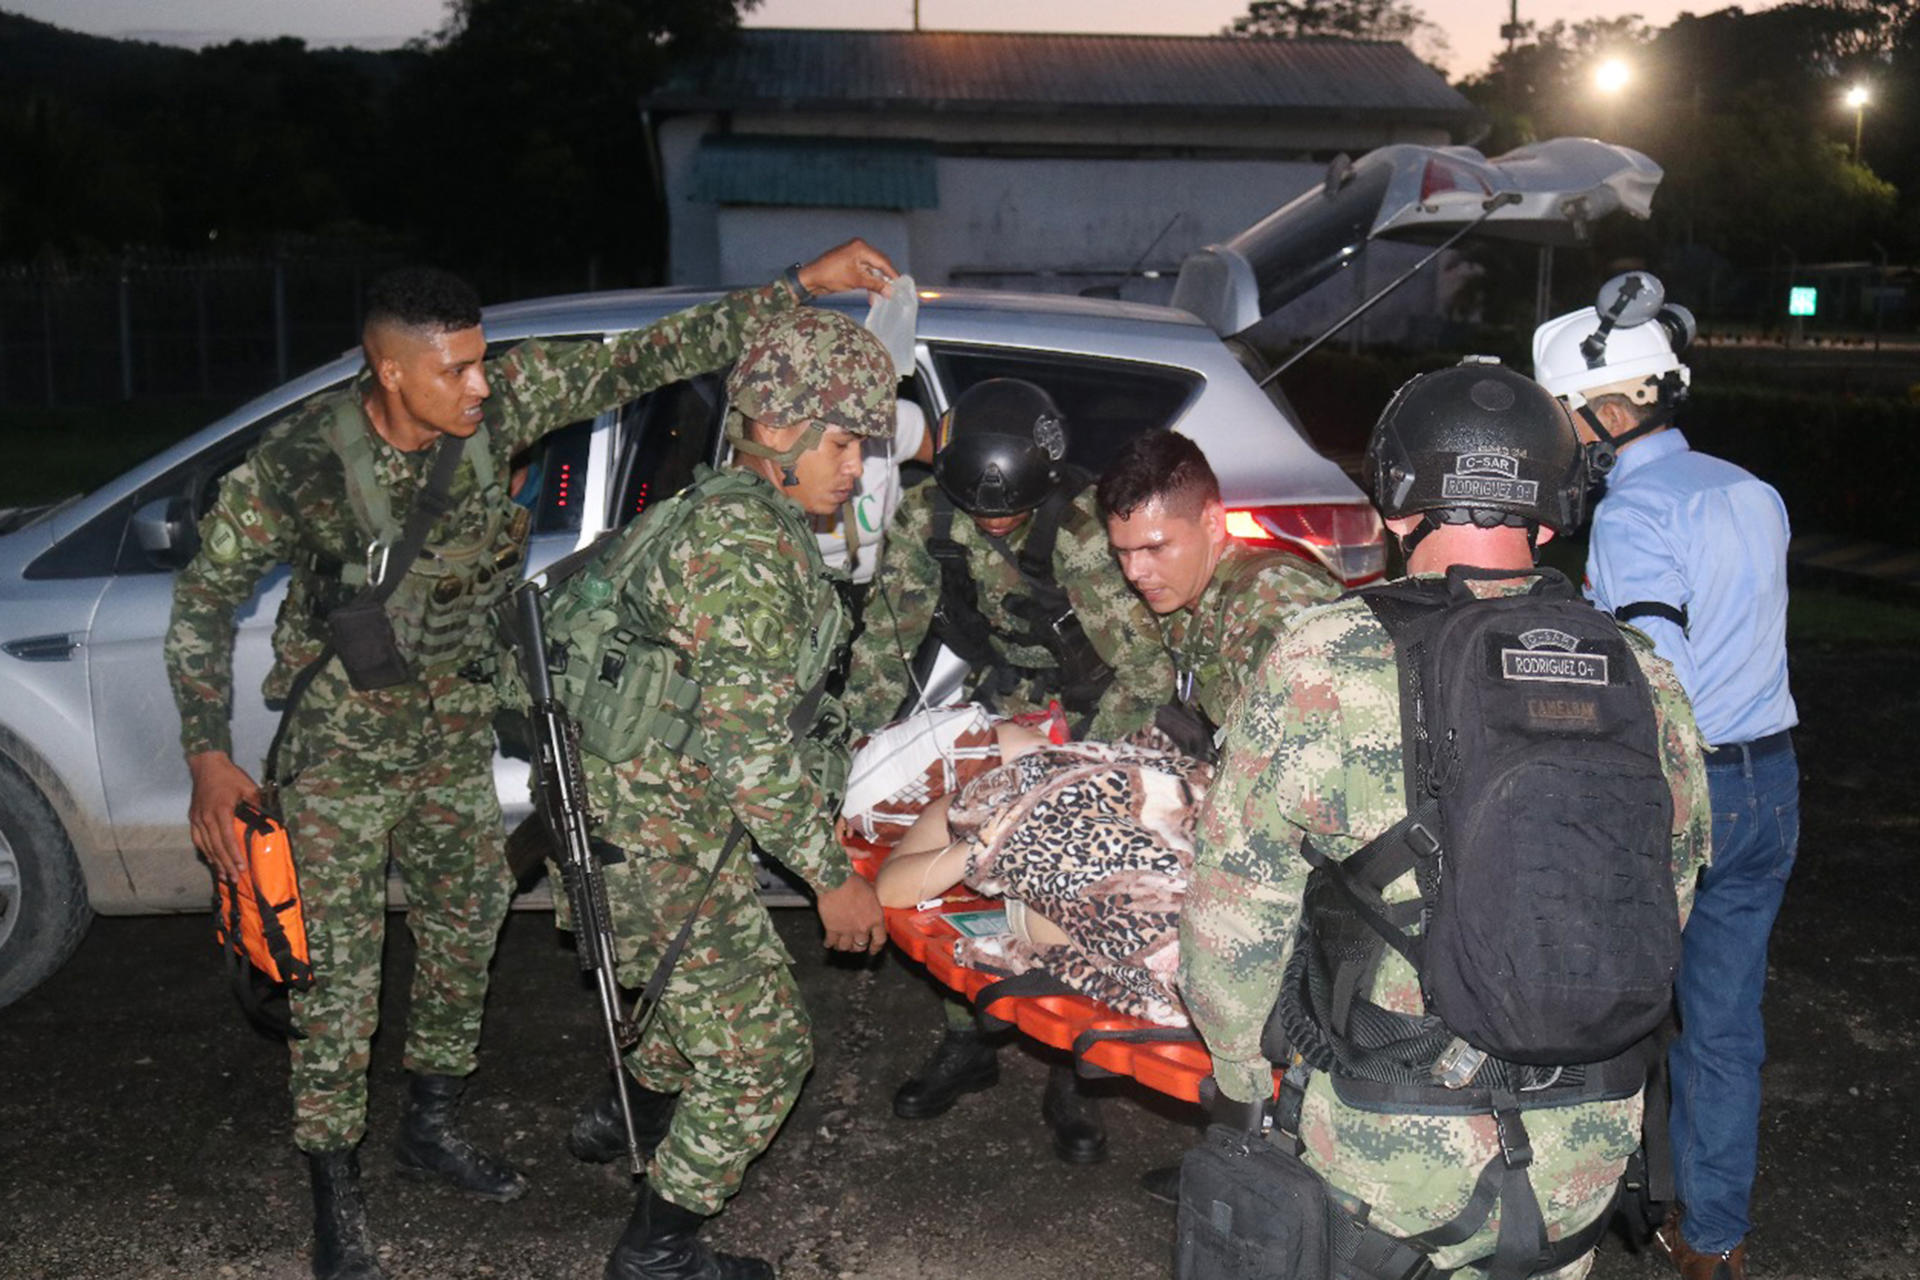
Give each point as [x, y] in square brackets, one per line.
[1611, 76]
[1857, 98]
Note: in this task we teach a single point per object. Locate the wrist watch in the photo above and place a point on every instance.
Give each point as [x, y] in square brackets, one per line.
[800, 291]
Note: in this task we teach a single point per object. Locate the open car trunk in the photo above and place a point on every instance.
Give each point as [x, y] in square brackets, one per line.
[1549, 193]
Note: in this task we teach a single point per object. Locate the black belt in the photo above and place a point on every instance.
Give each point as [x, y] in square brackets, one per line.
[1759, 749]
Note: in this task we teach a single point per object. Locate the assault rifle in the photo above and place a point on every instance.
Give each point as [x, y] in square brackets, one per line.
[560, 791]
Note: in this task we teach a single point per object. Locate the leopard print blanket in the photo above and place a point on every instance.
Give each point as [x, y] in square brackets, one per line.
[1098, 838]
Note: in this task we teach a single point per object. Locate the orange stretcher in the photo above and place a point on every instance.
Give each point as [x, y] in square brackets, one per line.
[1078, 1024]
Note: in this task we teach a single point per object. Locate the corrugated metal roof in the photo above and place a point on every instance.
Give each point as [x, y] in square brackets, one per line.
[989, 71]
[838, 173]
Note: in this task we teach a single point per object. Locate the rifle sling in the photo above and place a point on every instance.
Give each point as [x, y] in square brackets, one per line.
[657, 980]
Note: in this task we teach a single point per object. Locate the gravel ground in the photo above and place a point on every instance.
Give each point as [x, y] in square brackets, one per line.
[144, 1130]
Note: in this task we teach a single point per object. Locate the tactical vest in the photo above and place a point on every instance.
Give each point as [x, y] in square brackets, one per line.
[1043, 613]
[440, 608]
[626, 684]
[1183, 718]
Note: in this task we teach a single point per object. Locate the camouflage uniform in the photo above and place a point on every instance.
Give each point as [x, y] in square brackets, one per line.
[732, 591]
[1218, 642]
[907, 591]
[405, 769]
[1314, 749]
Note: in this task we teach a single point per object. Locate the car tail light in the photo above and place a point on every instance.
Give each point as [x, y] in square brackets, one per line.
[1345, 538]
[1439, 176]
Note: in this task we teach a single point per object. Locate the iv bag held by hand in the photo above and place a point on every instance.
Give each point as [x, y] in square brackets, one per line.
[891, 319]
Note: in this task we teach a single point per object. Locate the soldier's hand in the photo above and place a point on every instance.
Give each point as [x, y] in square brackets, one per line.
[854, 265]
[218, 785]
[852, 918]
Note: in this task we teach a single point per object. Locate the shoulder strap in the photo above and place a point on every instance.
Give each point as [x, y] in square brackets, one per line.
[1036, 553]
[346, 432]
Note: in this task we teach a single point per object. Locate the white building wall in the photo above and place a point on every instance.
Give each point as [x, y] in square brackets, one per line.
[757, 242]
[1059, 224]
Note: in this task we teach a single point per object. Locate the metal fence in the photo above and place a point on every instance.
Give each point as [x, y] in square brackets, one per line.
[105, 331]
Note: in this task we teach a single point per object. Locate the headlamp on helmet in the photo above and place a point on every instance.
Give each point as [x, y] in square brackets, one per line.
[1627, 344]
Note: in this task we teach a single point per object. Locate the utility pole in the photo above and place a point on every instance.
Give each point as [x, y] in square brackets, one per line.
[1509, 30]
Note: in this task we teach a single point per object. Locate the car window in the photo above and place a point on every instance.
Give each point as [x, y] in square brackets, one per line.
[662, 437]
[1106, 402]
[104, 546]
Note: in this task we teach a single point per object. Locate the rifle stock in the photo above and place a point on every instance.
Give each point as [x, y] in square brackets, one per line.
[560, 793]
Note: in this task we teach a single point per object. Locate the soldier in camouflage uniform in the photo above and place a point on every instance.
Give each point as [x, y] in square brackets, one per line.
[998, 461]
[1024, 589]
[1219, 601]
[1313, 751]
[404, 769]
[740, 592]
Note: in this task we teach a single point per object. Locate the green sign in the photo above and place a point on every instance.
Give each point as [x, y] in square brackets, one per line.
[1802, 300]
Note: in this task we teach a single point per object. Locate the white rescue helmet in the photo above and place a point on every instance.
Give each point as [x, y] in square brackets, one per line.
[1629, 345]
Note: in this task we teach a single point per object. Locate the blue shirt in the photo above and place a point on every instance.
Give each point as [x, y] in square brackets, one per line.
[1697, 533]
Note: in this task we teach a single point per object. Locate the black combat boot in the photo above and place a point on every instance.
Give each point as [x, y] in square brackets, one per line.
[341, 1247]
[962, 1063]
[428, 1144]
[662, 1242]
[598, 1136]
[1079, 1134]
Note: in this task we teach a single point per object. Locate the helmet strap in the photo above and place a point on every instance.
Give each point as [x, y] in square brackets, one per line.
[737, 432]
[1418, 534]
[1604, 452]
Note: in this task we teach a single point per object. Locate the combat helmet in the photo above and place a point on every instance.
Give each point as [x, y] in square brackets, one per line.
[814, 366]
[998, 448]
[1477, 444]
[1627, 344]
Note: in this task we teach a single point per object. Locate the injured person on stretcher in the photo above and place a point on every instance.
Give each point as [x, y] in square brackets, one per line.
[1089, 845]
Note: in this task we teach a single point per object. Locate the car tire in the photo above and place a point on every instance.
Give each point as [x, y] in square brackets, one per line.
[44, 910]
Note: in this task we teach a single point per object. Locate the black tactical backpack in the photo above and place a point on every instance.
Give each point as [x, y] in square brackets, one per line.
[1546, 934]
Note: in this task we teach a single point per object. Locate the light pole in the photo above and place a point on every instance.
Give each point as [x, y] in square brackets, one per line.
[1857, 98]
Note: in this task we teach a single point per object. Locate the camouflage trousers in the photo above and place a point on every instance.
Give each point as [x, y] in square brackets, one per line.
[428, 799]
[731, 1037]
[1418, 1171]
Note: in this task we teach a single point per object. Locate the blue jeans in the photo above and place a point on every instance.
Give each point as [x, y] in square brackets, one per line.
[1716, 1061]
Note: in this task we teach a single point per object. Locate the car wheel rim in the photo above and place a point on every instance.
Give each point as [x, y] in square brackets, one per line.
[9, 889]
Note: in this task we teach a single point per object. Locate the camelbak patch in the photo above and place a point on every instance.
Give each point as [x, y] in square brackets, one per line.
[1489, 477]
[1549, 655]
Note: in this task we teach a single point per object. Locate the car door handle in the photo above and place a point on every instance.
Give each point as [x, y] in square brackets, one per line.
[57, 648]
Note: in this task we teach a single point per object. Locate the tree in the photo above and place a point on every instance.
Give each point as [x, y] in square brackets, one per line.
[537, 167]
[1742, 111]
[1349, 19]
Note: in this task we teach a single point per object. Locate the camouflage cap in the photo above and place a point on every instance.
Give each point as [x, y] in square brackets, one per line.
[815, 364]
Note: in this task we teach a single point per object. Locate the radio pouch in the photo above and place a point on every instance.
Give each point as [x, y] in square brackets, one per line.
[1249, 1210]
[361, 633]
[259, 924]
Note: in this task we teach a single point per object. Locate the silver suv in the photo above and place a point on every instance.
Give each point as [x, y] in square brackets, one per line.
[93, 789]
